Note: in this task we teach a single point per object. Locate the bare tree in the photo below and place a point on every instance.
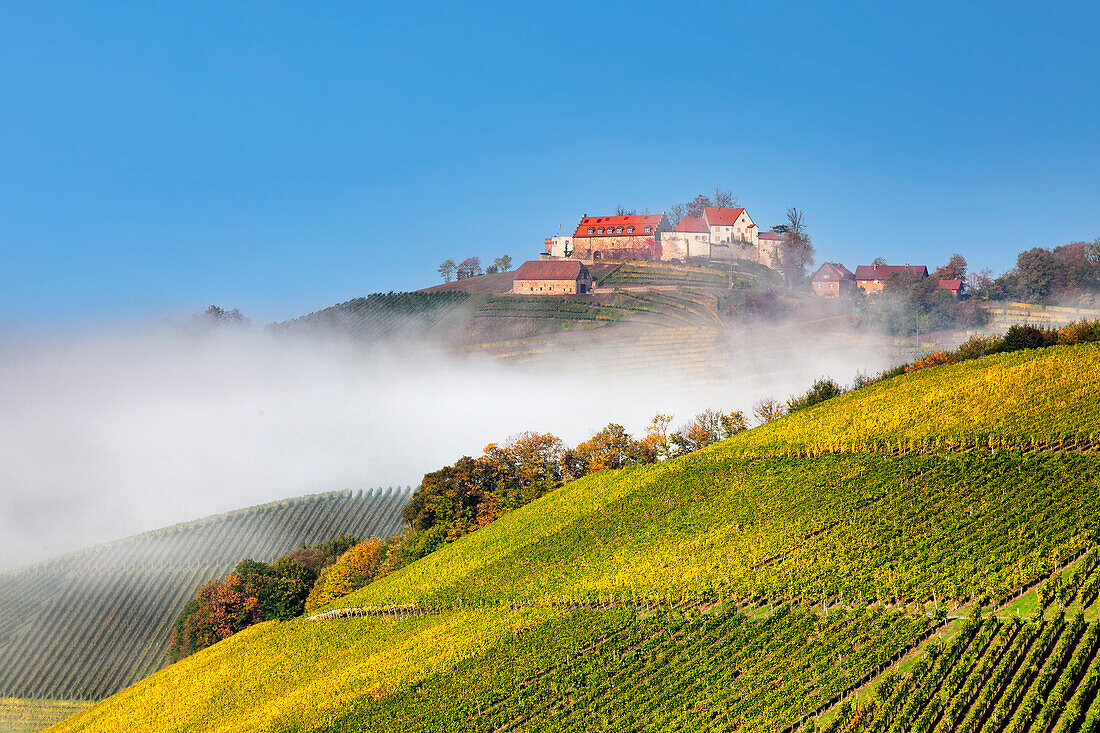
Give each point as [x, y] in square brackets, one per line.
[621, 211]
[767, 410]
[878, 262]
[447, 270]
[723, 198]
[796, 251]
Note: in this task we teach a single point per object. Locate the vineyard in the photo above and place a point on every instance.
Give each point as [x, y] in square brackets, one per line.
[83, 626]
[380, 315]
[922, 554]
[27, 716]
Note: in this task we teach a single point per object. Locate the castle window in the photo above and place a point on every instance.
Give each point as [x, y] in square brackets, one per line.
[591, 230]
[648, 229]
[618, 230]
[630, 230]
[599, 231]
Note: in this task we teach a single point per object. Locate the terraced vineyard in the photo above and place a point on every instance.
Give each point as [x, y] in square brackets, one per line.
[85, 625]
[761, 584]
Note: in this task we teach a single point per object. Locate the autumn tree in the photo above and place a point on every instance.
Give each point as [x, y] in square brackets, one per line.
[447, 270]
[707, 428]
[955, 269]
[610, 448]
[766, 410]
[469, 267]
[796, 251]
[354, 569]
[656, 442]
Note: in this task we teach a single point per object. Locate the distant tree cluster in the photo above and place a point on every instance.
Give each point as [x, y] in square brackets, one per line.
[253, 592]
[721, 198]
[910, 304]
[471, 267]
[1064, 273]
[218, 316]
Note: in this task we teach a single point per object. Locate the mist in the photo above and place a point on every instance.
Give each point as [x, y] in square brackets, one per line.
[109, 432]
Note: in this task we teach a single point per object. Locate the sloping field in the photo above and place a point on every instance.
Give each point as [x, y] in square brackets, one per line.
[85, 625]
[748, 586]
[19, 715]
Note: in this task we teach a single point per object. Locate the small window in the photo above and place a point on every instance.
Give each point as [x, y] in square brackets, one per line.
[630, 230]
[648, 229]
[591, 230]
[599, 231]
[618, 230]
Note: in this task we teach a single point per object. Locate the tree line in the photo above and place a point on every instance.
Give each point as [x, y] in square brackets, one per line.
[471, 267]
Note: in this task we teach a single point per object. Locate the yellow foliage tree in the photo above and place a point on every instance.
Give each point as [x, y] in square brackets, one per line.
[354, 569]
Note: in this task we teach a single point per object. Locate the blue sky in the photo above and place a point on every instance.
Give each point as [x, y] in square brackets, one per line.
[280, 158]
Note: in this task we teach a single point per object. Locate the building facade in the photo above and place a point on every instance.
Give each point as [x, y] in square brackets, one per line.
[552, 277]
[690, 238]
[833, 280]
[872, 278]
[628, 237]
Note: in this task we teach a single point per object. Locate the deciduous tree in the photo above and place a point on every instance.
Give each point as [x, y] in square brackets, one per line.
[447, 270]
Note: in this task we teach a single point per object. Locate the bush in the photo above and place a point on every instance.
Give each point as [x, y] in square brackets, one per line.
[823, 389]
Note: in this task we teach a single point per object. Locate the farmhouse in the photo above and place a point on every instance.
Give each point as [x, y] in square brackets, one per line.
[551, 277]
[872, 278]
[627, 237]
[954, 286]
[833, 280]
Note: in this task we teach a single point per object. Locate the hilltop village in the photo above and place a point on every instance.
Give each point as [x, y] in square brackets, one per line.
[720, 236]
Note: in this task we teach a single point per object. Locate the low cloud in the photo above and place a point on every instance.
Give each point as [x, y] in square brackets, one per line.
[108, 433]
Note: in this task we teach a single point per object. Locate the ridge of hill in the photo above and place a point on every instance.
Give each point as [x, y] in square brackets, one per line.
[749, 586]
[85, 625]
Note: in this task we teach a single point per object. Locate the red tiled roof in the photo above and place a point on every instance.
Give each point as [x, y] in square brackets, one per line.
[881, 272]
[721, 217]
[692, 224]
[951, 284]
[833, 271]
[550, 270]
[769, 235]
[638, 221]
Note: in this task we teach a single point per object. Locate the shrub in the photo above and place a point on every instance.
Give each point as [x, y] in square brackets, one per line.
[936, 358]
[823, 389]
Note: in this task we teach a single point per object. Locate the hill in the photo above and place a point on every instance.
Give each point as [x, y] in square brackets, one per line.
[855, 566]
[85, 625]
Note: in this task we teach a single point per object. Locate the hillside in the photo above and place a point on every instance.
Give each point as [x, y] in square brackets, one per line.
[822, 570]
[85, 625]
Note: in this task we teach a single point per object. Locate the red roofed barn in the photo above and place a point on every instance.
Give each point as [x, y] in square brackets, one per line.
[552, 277]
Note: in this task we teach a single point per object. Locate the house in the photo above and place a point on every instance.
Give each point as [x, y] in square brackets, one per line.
[832, 280]
[690, 238]
[552, 277]
[627, 237]
[872, 278]
[729, 225]
[954, 286]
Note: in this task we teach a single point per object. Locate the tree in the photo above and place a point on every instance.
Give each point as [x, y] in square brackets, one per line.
[608, 449]
[447, 270]
[217, 316]
[823, 389]
[796, 251]
[955, 269]
[707, 428]
[767, 410]
[1092, 251]
[878, 262]
[1035, 272]
[621, 211]
[469, 267]
[500, 264]
[723, 198]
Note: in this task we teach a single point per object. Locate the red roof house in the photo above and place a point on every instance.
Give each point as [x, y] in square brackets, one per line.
[955, 286]
[626, 237]
[872, 277]
[832, 280]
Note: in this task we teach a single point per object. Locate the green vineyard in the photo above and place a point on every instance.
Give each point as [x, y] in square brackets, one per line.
[379, 315]
[83, 626]
[922, 554]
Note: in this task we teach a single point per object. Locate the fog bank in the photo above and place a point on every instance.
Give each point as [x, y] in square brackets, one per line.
[109, 433]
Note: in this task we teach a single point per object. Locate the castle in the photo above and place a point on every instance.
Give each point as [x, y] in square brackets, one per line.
[720, 234]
